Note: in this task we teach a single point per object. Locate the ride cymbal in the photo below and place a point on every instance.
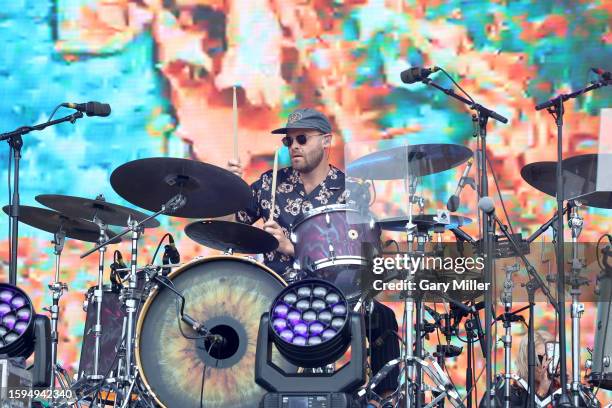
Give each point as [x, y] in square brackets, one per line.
[408, 161]
[209, 191]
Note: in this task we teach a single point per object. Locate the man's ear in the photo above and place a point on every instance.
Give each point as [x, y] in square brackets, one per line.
[327, 140]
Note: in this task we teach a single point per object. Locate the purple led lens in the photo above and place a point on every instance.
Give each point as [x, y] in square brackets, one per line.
[339, 310]
[6, 296]
[294, 317]
[302, 305]
[279, 325]
[23, 314]
[301, 329]
[11, 337]
[332, 298]
[319, 292]
[318, 305]
[337, 323]
[328, 334]
[3, 331]
[290, 298]
[286, 335]
[20, 327]
[2, 343]
[313, 341]
[299, 340]
[325, 316]
[9, 321]
[281, 310]
[304, 292]
[4, 309]
[309, 316]
[316, 328]
[18, 302]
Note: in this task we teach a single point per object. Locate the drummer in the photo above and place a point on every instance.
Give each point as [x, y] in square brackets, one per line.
[311, 182]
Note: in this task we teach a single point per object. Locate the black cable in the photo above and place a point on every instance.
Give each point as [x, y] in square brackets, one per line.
[53, 113]
[499, 194]
[161, 241]
[204, 377]
[457, 85]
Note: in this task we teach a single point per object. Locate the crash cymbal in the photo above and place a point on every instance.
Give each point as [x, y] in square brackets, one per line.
[52, 221]
[579, 178]
[110, 214]
[408, 161]
[226, 235]
[424, 222]
[210, 191]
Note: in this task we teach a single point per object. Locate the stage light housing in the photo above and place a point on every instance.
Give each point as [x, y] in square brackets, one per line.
[17, 337]
[309, 323]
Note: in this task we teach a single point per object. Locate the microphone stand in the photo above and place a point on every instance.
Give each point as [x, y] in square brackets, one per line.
[536, 282]
[555, 107]
[15, 141]
[487, 232]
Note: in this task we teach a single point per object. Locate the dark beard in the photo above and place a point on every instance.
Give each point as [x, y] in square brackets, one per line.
[310, 165]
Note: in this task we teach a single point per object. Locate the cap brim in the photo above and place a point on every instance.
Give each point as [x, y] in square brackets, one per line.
[282, 131]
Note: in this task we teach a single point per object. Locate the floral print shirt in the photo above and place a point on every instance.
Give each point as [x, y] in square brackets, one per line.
[293, 201]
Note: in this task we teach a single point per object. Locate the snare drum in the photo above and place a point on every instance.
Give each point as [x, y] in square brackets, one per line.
[334, 243]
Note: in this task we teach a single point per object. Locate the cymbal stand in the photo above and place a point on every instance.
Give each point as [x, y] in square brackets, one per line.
[576, 223]
[98, 293]
[508, 318]
[57, 289]
[410, 184]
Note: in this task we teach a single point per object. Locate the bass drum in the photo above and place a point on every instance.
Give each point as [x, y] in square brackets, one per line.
[228, 295]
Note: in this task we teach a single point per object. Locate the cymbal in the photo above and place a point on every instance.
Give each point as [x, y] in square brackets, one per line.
[109, 213]
[579, 179]
[210, 191]
[424, 222]
[406, 161]
[225, 235]
[52, 221]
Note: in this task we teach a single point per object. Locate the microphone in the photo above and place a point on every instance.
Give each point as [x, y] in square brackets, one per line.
[416, 74]
[171, 255]
[90, 108]
[486, 205]
[605, 75]
[453, 202]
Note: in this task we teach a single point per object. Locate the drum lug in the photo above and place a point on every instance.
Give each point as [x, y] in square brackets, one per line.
[296, 265]
[293, 237]
[332, 252]
[327, 219]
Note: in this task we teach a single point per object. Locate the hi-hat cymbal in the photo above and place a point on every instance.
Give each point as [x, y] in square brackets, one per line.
[210, 191]
[579, 179]
[424, 222]
[110, 214]
[234, 236]
[408, 161]
[52, 221]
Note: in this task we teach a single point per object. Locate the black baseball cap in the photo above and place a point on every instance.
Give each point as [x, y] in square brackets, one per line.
[306, 118]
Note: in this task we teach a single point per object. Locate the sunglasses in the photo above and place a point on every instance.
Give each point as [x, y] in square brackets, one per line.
[300, 139]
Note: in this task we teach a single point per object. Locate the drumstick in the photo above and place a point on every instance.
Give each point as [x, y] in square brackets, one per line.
[274, 170]
[235, 122]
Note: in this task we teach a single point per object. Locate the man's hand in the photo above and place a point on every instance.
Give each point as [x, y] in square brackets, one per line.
[284, 244]
[235, 167]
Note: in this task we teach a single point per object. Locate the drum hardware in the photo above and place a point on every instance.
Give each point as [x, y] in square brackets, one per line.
[508, 318]
[57, 289]
[231, 237]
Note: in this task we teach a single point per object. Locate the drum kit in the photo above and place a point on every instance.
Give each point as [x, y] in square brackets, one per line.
[141, 343]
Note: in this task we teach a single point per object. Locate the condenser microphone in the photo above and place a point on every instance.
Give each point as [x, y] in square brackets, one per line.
[416, 74]
[453, 201]
[90, 108]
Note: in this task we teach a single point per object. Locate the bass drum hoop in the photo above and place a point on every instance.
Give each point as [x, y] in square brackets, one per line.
[153, 295]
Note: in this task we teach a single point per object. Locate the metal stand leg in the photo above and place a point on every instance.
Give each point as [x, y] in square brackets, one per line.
[408, 352]
[507, 338]
[98, 294]
[57, 288]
